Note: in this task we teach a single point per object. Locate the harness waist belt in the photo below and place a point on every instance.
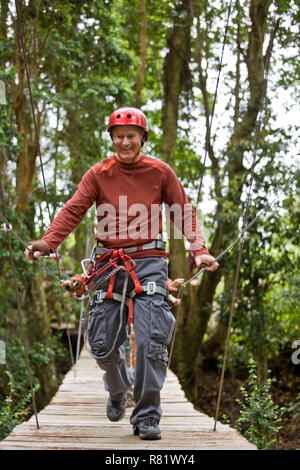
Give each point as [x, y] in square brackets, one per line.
[150, 289]
[99, 297]
[154, 245]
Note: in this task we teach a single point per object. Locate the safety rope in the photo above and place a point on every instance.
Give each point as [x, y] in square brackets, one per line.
[208, 135]
[215, 95]
[245, 220]
[229, 248]
[20, 313]
[83, 297]
[22, 41]
[204, 162]
[241, 238]
[25, 245]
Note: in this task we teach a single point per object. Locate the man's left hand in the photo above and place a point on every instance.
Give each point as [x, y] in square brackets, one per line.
[208, 260]
[74, 286]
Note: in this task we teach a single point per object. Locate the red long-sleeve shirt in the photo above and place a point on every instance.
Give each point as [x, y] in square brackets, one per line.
[128, 198]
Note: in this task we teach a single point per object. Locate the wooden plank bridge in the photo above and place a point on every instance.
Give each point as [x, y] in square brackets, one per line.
[75, 419]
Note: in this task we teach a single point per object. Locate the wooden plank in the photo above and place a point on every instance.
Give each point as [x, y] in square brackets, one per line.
[76, 419]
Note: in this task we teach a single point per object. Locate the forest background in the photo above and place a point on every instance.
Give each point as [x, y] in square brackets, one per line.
[86, 58]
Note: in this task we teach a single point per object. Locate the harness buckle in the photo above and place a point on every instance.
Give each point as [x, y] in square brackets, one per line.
[151, 288]
[99, 296]
[91, 261]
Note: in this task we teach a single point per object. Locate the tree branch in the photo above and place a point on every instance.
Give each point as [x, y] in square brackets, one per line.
[268, 53]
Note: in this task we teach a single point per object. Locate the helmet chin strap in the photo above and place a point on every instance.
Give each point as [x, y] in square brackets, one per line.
[143, 140]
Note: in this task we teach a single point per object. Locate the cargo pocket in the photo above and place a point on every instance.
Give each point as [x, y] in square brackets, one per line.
[97, 331]
[162, 321]
[158, 352]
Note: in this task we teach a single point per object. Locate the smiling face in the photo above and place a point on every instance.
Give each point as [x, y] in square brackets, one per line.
[127, 142]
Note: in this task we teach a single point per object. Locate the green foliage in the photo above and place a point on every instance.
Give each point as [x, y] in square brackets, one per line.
[13, 412]
[294, 408]
[87, 60]
[259, 418]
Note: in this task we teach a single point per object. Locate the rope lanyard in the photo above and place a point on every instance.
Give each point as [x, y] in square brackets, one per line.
[240, 239]
[81, 307]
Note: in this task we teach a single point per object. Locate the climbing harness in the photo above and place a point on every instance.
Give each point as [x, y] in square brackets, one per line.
[96, 276]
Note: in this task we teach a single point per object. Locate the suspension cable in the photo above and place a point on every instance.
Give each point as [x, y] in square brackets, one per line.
[20, 313]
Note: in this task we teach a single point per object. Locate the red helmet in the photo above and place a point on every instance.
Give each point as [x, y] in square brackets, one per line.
[128, 116]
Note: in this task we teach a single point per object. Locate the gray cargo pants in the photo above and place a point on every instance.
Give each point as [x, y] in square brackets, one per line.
[153, 325]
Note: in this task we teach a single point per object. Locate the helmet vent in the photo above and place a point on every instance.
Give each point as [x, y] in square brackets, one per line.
[129, 116]
[119, 115]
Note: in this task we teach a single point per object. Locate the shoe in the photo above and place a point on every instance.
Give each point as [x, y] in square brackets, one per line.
[147, 429]
[116, 410]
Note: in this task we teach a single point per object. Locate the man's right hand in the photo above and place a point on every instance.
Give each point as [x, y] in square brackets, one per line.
[37, 248]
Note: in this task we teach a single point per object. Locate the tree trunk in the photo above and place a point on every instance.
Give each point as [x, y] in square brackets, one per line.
[196, 320]
[174, 70]
[37, 319]
[175, 65]
[143, 54]
[26, 159]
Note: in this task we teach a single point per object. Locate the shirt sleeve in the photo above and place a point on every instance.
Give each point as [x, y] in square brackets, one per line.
[181, 212]
[73, 211]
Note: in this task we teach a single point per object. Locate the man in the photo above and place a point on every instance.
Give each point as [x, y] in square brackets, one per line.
[124, 185]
